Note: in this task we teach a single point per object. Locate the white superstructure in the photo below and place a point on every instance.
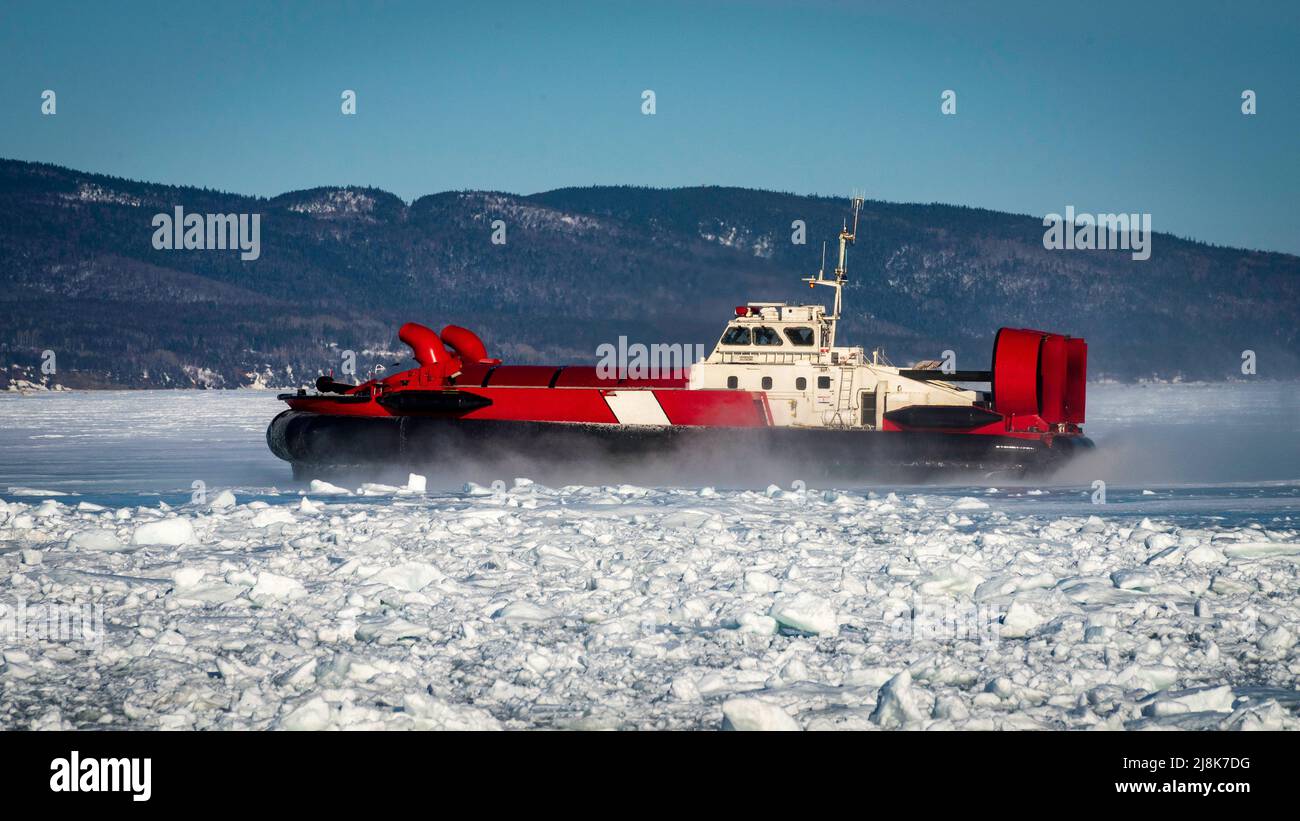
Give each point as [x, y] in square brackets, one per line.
[789, 353]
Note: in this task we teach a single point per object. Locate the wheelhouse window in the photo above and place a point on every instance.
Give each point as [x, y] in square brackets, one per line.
[732, 382]
[802, 337]
[766, 336]
[736, 335]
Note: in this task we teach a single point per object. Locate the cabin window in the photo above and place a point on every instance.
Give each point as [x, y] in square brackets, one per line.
[823, 383]
[800, 384]
[766, 336]
[736, 335]
[732, 382]
[802, 337]
[767, 383]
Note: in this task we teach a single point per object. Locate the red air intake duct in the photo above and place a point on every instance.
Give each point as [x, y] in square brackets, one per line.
[1036, 373]
[1076, 380]
[1015, 371]
[465, 343]
[426, 346]
[1051, 378]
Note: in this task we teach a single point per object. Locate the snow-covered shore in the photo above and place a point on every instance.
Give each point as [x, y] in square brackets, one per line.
[628, 607]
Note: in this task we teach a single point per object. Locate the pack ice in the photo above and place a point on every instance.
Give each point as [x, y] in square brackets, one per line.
[633, 607]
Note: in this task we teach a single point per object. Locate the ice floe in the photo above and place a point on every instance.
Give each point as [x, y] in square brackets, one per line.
[520, 605]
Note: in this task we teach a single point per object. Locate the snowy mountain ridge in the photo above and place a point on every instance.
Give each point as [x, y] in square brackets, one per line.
[549, 277]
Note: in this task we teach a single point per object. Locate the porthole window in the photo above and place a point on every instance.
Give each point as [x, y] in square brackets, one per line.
[767, 383]
[801, 384]
[732, 382]
[824, 383]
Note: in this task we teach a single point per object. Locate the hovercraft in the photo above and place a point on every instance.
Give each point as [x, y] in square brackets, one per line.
[776, 386]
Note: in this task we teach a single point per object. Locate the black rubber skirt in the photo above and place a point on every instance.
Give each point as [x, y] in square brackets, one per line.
[316, 443]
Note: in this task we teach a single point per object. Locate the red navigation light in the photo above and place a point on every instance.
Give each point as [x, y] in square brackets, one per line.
[742, 310]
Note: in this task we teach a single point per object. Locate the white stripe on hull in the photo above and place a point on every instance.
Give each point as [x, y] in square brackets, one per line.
[636, 408]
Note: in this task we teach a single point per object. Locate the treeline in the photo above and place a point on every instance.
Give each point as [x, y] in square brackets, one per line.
[343, 268]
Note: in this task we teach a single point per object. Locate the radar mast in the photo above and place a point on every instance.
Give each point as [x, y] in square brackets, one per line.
[847, 238]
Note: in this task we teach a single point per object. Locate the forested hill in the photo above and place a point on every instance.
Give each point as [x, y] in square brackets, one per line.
[342, 268]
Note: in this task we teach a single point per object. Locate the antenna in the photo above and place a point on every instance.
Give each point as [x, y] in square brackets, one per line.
[847, 238]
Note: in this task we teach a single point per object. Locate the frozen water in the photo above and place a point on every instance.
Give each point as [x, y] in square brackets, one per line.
[117, 444]
[265, 603]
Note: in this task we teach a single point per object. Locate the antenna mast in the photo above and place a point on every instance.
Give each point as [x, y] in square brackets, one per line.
[847, 238]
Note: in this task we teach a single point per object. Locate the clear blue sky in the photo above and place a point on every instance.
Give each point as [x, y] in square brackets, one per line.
[1107, 106]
